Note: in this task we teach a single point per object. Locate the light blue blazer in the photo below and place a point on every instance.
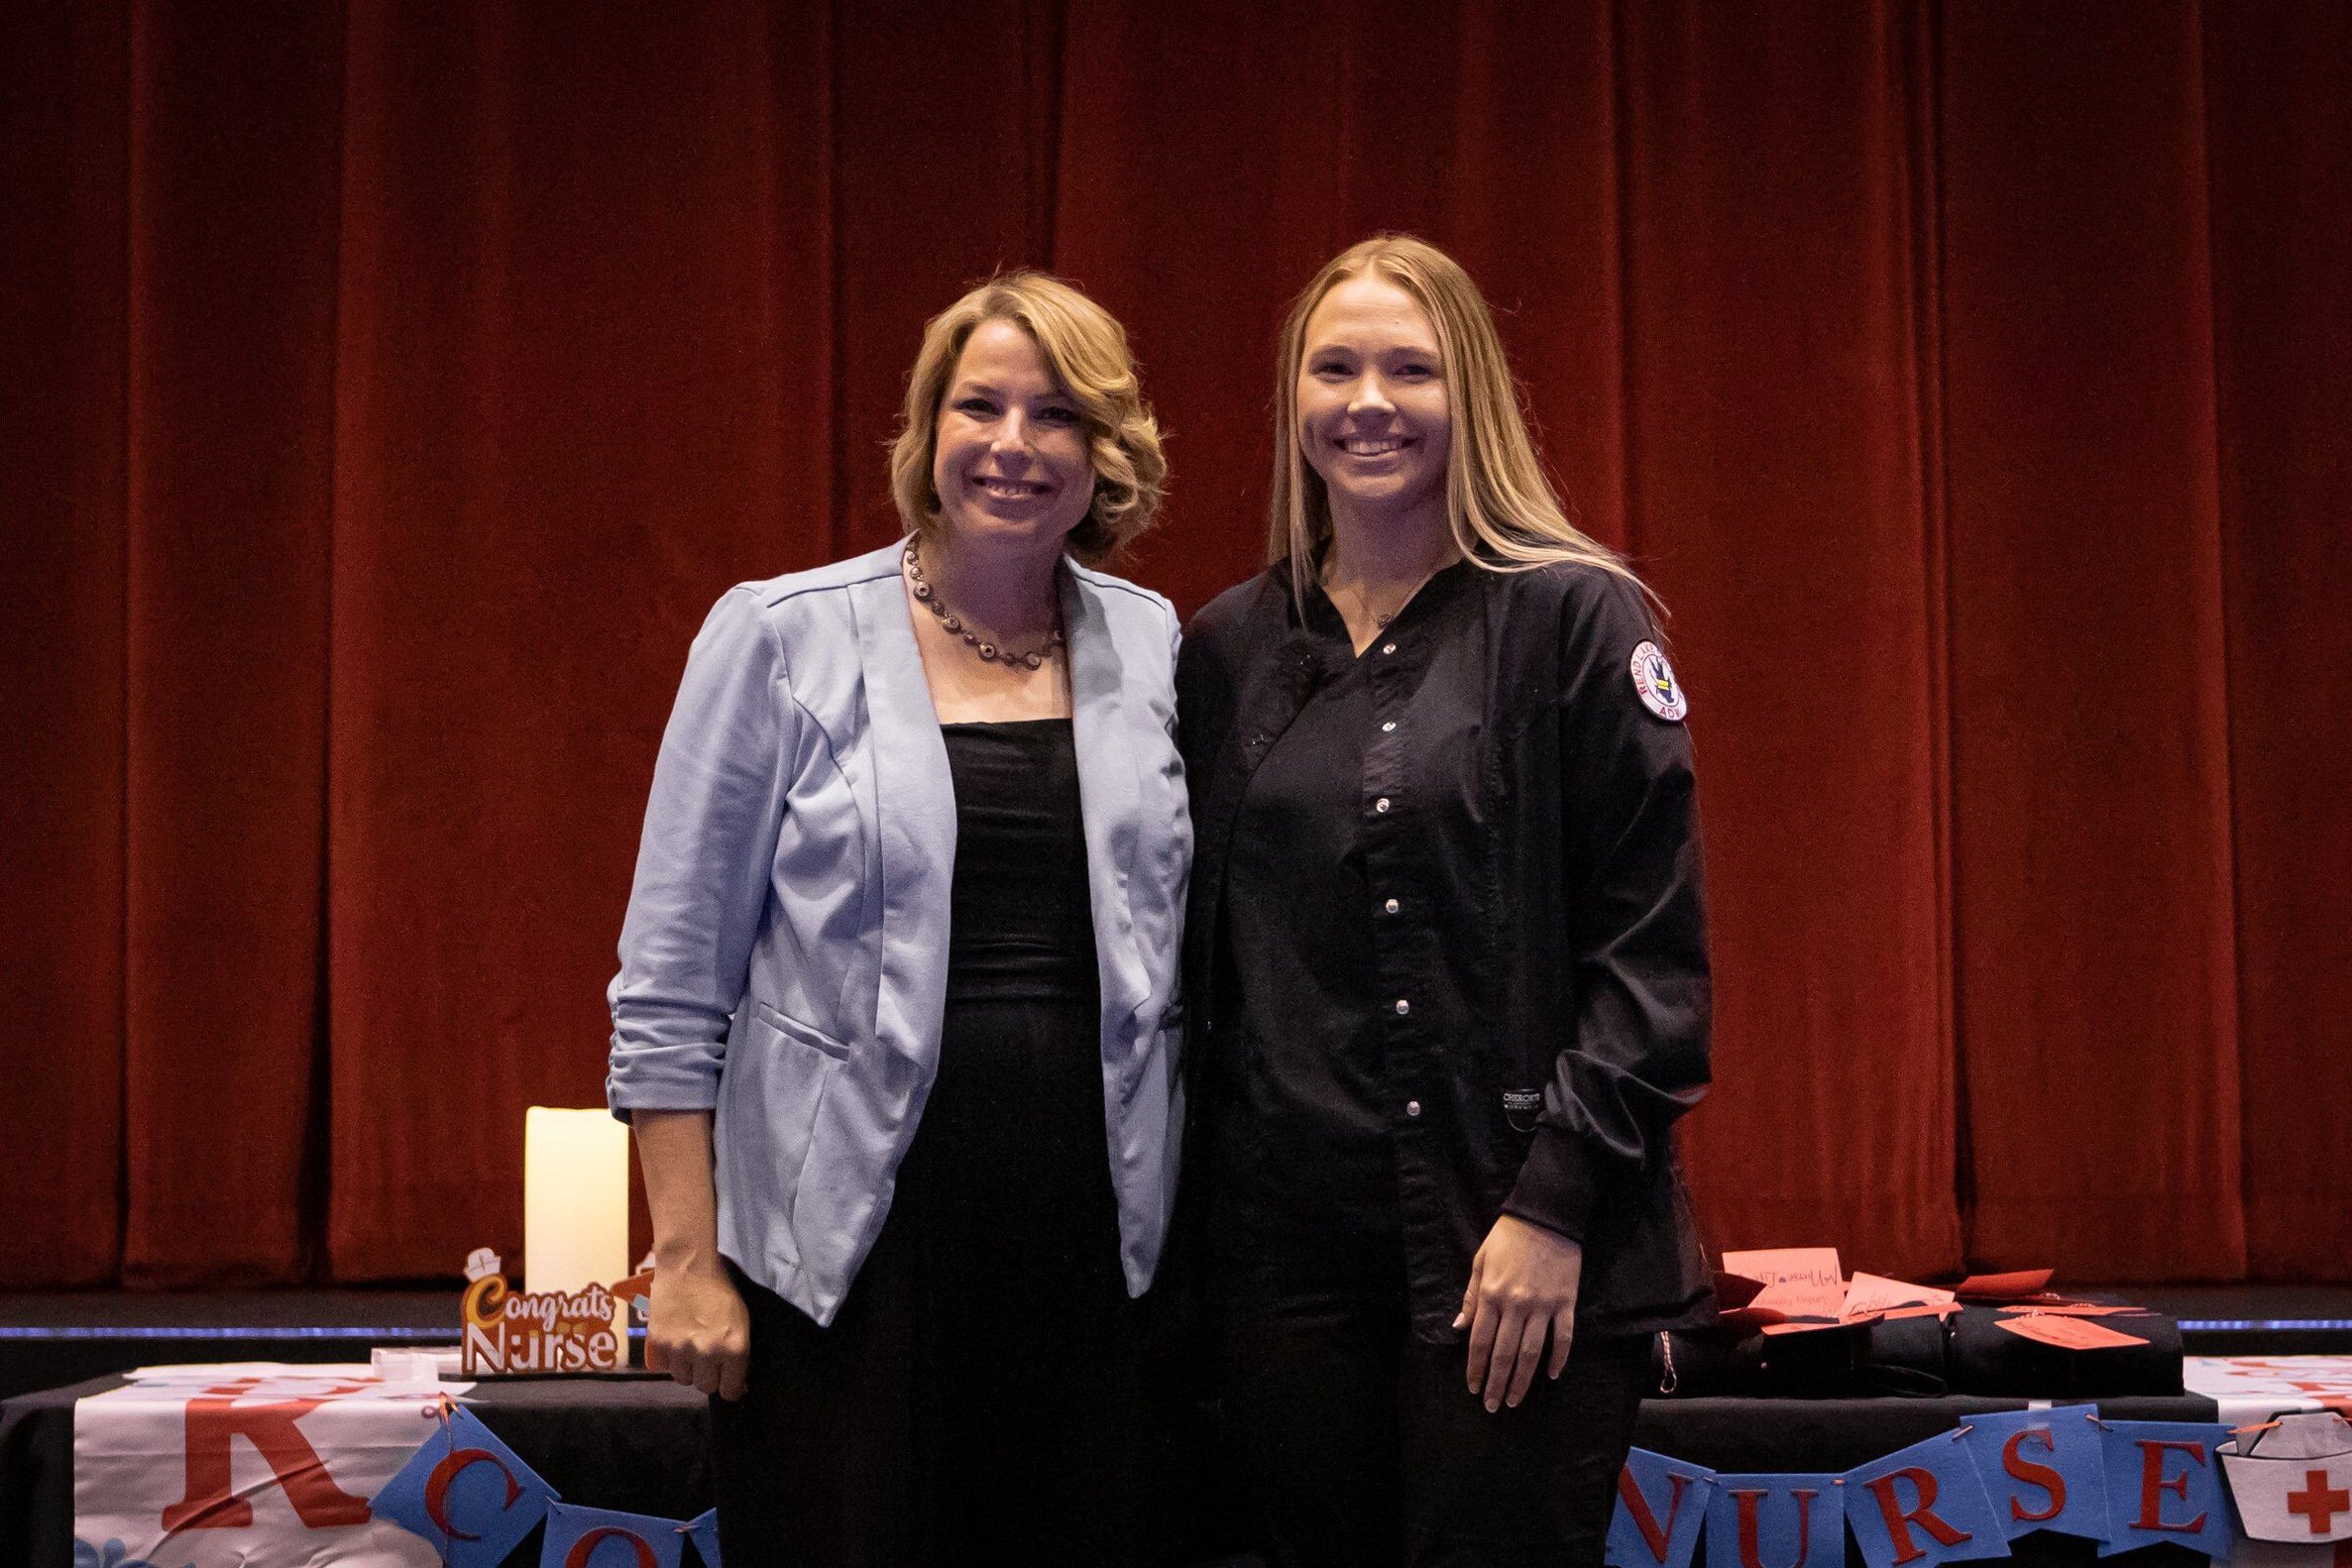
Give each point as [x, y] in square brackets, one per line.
[785, 955]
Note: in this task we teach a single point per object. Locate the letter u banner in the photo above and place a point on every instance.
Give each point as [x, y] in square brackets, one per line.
[1775, 1521]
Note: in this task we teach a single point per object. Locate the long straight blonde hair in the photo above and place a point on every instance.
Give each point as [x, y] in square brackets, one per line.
[1503, 512]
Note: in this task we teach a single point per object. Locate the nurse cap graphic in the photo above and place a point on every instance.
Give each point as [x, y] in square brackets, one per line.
[1653, 679]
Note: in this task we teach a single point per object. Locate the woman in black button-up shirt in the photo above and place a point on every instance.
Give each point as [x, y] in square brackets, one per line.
[1445, 956]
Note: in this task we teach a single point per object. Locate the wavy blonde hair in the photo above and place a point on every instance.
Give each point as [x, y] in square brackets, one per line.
[1502, 508]
[1086, 350]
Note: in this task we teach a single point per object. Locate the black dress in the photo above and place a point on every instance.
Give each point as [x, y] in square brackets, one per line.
[980, 1395]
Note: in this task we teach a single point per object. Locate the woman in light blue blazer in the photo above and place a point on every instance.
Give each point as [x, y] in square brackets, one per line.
[895, 1022]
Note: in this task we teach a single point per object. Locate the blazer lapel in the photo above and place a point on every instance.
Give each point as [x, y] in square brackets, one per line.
[1109, 794]
[914, 805]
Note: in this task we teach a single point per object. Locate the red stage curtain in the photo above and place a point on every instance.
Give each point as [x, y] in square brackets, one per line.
[395, 388]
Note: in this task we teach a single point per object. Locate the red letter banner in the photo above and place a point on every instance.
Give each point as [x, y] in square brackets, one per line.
[2042, 1468]
[1660, 1505]
[1923, 1506]
[2164, 1484]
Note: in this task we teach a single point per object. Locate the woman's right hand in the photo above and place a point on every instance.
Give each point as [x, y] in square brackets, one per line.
[698, 1330]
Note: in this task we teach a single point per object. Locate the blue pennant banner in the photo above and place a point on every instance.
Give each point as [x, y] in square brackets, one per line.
[1923, 1505]
[1776, 1522]
[467, 1493]
[1660, 1505]
[2044, 1469]
[2164, 1484]
[703, 1530]
[602, 1538]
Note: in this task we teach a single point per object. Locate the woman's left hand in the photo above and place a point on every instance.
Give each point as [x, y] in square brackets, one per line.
[1522, 1285]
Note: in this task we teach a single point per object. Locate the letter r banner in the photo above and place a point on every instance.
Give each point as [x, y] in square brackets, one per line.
[1923, 1506]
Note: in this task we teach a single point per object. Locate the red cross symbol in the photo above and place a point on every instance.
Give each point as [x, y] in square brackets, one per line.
[2321, 1502]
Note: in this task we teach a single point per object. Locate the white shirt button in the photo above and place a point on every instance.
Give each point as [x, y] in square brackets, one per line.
[1382, 804]
[1386, 728]
[1413, 1107]
[1404, 1006]
[1387, 648]
[1390, 906]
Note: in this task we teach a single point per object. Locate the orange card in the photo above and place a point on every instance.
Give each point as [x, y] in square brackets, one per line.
[1871, 1293]
[2003, 1286]
[1932, 1309]
[1799, 1282]
[2068, 1333]
[2076, 1309]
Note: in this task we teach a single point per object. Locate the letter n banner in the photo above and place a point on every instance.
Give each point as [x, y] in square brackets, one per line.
[1660, 1505]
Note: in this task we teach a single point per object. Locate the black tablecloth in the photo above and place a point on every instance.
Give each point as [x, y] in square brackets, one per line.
[641, 1445]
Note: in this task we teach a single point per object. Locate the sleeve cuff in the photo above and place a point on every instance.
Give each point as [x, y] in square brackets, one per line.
[661, 1079]
[1555, 1185]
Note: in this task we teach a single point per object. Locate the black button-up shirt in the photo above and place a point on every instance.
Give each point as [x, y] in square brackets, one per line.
[1528, 1013]
[1305, 1156]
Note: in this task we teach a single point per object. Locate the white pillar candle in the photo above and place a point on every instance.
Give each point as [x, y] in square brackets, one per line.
[575, 1200]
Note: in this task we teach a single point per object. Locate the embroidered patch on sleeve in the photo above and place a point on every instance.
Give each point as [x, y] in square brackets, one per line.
[1653, 679]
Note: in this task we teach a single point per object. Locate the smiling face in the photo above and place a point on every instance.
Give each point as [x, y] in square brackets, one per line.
[1009, 455]
[1374, 416]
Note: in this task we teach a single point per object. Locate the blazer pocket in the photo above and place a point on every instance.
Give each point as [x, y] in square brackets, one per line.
[773, 1093]
[793, 1029]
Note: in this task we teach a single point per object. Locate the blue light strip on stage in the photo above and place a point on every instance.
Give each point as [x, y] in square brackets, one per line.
[2240, 1325]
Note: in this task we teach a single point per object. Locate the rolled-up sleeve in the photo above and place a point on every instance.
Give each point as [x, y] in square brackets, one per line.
[1637, 1058]
[703, 865]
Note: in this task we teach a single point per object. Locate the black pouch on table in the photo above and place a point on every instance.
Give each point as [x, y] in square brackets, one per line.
[1905, 1357]
[1985, 1358]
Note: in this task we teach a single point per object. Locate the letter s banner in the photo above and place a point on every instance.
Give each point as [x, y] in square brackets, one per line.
[2044, 1470]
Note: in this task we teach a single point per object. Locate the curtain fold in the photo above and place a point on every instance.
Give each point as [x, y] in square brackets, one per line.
[2278, 101]
[585, 383]
[398, 388]
[2091, 743]
[62, 176]
[231, 306]
[1790, 533]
